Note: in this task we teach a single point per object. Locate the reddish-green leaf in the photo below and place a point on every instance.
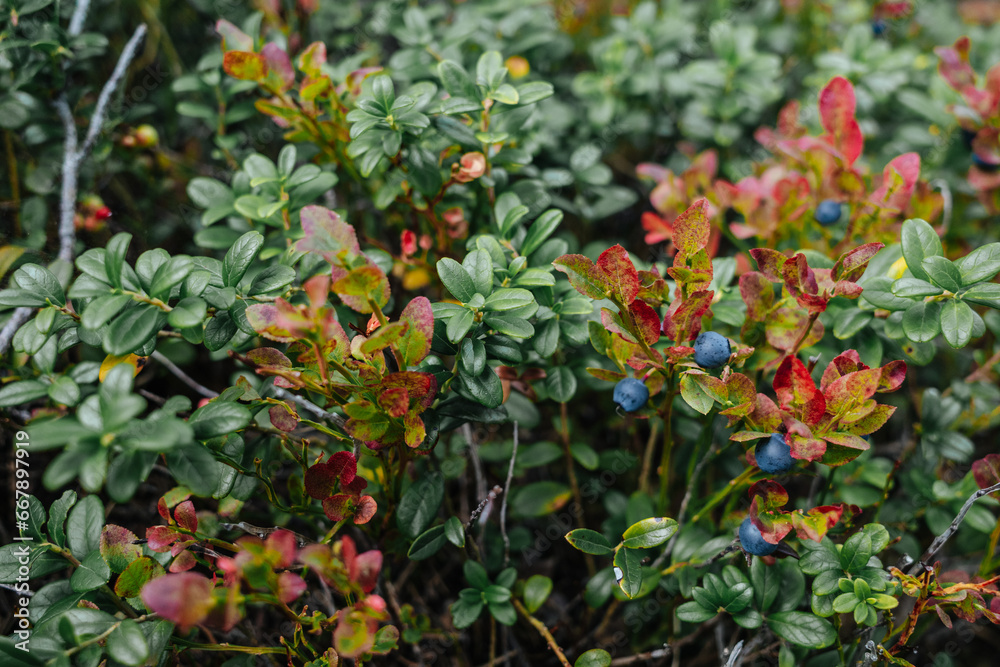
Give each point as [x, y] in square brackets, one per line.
[683, 319]
[184, 598]
[584, 276]
[758, 295]
[395, 401]
[416, 341]
[646, 321]
[797, 392]
[357, 286]
[852, 264]
[620, 273]
[691, 231]
[130, 582]
[185, 516]
[986, 472]
[118, 547]
[386, 335]
[770, 263]
[815, 523]
[280, 75]
[244, 65]
[954, 65]
[326, 234]
[233, 39]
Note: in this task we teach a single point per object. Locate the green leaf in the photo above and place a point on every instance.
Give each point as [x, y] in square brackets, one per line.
[539, 499]
[595, 657]
[540, 230]
[628, 571]
[189, 312]
[536, 590]
[914, 287]
[560, 383]
[457, 81]
[943, 272]
[100, 311]
[456, 279]
[510, 325]
[219, 331]
[984, 294]
[919, 241]
[83, 528]
[420, 504]
[127, 644]
[428, 543]
[239, 257]
[92, 573]
[856, 552]
[464, 612]
[115, 258]
[473, 356]
[878, 292]
[218, 418]
[479, 266]
[455, 531]
[590, 542]
[64, 391]
[649, 532]
[195, 468]
[41, 282]
[130, 330]
[508, 298]
[922, 321]
[57, 517]
[802, 629]
[485, 388]
[981, 264]
[272, 279]
[693, 612]
[956, 322]
[21, 392]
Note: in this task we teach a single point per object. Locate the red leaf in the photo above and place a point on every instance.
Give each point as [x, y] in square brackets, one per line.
[244, 65]
[683, 319]
[657, 228]
[319, 481]
[852, 264]
[326, 234]
[264, 318]
[290, 587]
[280, 75]
[765, 510]
[647, 322]
[184, 561]
[186, 517]
[364, 510]
[344, 466]
[758, 295]
[364, 569]
[282, 542]
[283, 417]
[836, 110]
[815, 523]
[161, 507]
[899, 178]
[852, 389]
[802, 283]
[691, 231]
[584, 276]
[621, 275]
[797, 392]
[416, 342]
[421, 387]
[954, 65]
[800, 439]
[893, 375]
[184, 598]
[770, 263]
[846, 362]
[160, 538]
[986, 472]
[395, 401]
[766, 417]
[336, 507]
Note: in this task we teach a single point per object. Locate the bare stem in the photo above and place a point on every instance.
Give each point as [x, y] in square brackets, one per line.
[946, 535]
[543, 631]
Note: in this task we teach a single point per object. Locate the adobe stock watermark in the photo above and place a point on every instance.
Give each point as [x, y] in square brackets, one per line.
[22, 516]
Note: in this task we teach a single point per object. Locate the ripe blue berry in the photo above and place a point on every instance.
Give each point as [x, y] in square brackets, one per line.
[711, 350]
[752, 540]
[774, 455]
[631, 394]
[828, 212]
[879, 27]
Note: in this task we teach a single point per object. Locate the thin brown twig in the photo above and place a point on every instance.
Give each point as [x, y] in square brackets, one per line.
[543, 631]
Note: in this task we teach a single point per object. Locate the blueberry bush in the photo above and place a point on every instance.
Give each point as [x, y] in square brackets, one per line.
[546, 332]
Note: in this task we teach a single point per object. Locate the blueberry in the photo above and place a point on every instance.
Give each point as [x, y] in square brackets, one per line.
[631, 394]
[773, 455]
[983, 165]
[879, 26]
[752, 540]
[828, 212]
[711, 350]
